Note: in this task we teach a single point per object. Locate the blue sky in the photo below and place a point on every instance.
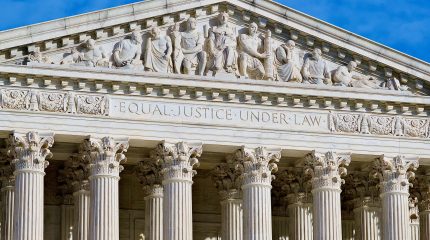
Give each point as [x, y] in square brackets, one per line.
[400, 24]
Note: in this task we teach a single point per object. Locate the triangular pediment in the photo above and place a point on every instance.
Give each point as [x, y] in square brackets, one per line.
[57, 39]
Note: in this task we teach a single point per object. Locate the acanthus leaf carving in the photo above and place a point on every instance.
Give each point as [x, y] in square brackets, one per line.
[327, 168]
[395, 173]
[105, 155]
[149, 173]
[257, 164]
[177, 159]
[30, 151]
[228, 180]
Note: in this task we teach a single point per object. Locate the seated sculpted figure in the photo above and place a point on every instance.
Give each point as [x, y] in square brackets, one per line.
[286, 67]
[250, 58]
[88, 54]
[127, 53]
[158, 52]
[345, 76]
[222, 46]
[315, 70]
[189, 56]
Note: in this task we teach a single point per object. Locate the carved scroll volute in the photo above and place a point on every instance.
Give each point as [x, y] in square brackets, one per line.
[30, 150]
[178, 159]
[257, 164]
[327, 168]
[105, 155]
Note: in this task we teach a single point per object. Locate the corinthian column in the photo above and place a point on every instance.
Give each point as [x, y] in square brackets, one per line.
[257, 166]
[367, 215]
[7, 196]
[29, 152]
[177, 161]
[394, 173]
[81, 205]
[149, 174]
[326, 170]
[105, 156]
[227, 181]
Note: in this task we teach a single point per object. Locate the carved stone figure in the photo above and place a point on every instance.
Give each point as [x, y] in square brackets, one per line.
[37, 57]
[286, 67]
[222, 46]
[345, 76]
[87, 54]
[158, 52]
[393, 83]
[188, 54]
[127, 53]
[32, 101]
[315, 70]
[250, 57]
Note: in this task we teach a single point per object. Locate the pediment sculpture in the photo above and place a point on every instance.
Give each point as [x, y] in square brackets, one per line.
[221, 48]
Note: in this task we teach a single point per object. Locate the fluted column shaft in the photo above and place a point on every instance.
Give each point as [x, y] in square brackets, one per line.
[348, 229]
[415, 231]
[367, 222]
[231, 219]
[177, 161]
[281, 228]
[326, 169]
[105, 155]
[425, 224]
[81, 224]
[395, 196]
[301, 221]
[8, 197]
[29, 152]
[154, 213]
[67, 214]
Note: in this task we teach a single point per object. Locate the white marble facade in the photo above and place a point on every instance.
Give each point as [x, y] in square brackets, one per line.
[209, 120]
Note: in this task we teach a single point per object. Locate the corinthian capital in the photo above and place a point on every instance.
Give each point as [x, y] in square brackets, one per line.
[395, 172]
[30, 151]
[177, 159]
[149, 174]
[257, 164]
[105, 155]
[227, 179]
[327, 168]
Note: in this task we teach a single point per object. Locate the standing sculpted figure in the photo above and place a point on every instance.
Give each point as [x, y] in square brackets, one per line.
[87, 54]
[315, 70]
[250, 57]
[127, 53]
[189, 55]
[345, 76]
[286, 67]
[158, 52]
[222, 46]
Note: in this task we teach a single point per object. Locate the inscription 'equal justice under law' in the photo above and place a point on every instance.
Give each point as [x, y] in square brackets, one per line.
[218, 113]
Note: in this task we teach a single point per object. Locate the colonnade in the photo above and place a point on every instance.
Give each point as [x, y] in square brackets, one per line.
[243, 181]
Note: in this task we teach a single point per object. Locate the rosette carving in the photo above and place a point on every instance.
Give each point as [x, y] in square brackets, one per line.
[395, 173]
[327, 168]
[105, 155]
[257, 164]
[30, 151]
[177, 160]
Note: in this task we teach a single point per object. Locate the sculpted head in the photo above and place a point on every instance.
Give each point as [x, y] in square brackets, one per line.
[191, 24]
[155, 32]
[352, 66]
[223, 18]
[136, 37]
[90, 44]
[290, 44]
[253, 28]
[317, 54]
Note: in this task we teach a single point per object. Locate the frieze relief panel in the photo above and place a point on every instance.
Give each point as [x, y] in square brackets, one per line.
[224, 44]
[50, 101]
